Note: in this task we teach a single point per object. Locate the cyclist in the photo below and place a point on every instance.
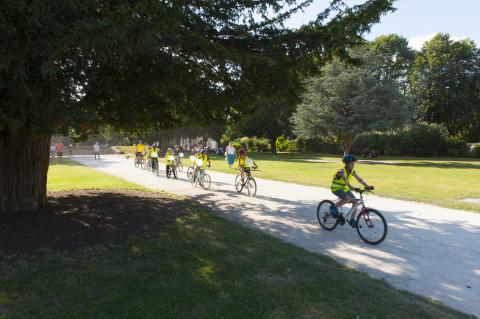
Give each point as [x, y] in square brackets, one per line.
[169, 163]
[139, 151]
[201, 154]
[153, 155]
[242, 163]
[342, 187]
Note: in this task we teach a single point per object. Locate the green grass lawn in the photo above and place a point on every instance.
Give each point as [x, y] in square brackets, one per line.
[442, 182]
[199, 266]
[70, 175]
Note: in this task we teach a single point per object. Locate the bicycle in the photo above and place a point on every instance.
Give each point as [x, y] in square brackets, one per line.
[371, 225]
[202, 178]
[178, 162]
[139, 161]
[249, 182]
[171, 169]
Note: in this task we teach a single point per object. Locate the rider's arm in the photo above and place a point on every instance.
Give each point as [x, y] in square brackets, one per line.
[361, 181]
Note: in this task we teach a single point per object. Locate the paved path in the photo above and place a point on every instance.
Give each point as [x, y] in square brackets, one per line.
[429, 250]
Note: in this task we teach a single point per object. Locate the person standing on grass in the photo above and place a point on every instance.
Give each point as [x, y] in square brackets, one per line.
[96, 150]
[230, 154]
[70, 150]
[52, 150]
[59, 150]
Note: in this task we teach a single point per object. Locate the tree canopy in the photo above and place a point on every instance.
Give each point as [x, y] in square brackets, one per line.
[346, 101]
[446, 83]
[131, 64]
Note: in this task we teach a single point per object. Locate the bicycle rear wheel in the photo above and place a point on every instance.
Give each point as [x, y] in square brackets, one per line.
[325, 218]
[238, 183]
[372, 226]
[206, 182]
[251, 187]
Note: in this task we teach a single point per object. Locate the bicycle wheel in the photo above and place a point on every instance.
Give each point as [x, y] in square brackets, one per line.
[372, 226]
[325, 218]
[190, 173]
[135, 162]
[179, 166]
[143, 163]
[251, 187]
[238, 183]
[206, 182]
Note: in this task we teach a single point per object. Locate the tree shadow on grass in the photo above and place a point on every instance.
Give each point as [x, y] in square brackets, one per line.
[78, 219]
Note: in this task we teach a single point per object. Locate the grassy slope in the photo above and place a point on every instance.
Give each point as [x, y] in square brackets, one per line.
[202, 266]
[442, 182]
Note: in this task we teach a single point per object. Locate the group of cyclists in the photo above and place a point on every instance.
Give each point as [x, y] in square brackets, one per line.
[341, 185]
[147, 156]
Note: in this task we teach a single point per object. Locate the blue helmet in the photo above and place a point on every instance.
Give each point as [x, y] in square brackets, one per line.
[349, 158]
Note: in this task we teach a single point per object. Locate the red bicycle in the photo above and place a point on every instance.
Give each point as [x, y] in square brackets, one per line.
[371, 225]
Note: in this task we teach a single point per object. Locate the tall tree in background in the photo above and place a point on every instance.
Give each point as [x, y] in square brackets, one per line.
[271, 119]
[391, 58]
[346, 101]
[446, 83]
[77, 65]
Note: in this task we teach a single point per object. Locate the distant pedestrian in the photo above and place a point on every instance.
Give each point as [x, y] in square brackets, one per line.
[230, 154]
[52, 150]
[70, 150]
[96, 150]
[59, 150]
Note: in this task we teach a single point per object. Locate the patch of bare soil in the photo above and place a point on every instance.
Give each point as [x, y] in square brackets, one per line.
[78, 219]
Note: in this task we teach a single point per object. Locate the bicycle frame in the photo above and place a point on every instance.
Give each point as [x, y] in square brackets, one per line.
[360, 203]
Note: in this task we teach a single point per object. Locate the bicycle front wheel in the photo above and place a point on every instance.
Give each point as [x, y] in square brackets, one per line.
[206, 182]
[372, 226]
[179, 166]
[325, 218]
[251, 187]
[238, 183]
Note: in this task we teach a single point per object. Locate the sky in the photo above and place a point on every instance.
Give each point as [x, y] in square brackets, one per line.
[416, 20]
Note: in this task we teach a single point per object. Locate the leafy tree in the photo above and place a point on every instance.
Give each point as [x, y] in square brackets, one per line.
[346, 101]
[391, 58]
[74, 66]
[446, 83]
[271, 120]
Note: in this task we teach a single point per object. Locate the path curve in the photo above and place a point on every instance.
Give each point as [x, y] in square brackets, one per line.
[431, 251]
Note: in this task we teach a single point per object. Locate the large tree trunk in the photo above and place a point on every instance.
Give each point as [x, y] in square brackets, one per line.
[273, 141]
[24, 163]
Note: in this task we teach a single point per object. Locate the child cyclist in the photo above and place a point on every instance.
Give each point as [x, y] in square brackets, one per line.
[342, 188]
[201, 154]
[242, 163]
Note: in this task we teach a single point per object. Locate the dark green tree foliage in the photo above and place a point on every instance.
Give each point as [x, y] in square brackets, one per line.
[74, 66]
[391, 58]
[271, 119]
[446, 84]
[346, 101]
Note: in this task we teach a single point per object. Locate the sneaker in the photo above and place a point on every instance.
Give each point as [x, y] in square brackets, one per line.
[333, 211]
[352, 222]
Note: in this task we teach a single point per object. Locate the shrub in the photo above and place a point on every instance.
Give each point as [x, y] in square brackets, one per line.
[252, 144]
[285, 145]
[422, 140]
[476, 151]
[456, 147]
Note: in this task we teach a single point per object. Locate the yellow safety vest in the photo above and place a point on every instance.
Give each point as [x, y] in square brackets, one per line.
[338, 183]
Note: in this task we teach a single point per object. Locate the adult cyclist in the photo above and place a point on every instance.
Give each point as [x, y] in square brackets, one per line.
[342, 187]
[139, 151]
